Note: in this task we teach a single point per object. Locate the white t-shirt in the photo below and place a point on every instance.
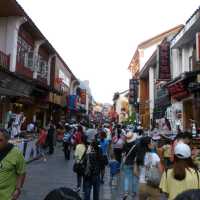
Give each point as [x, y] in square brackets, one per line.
[150, 159]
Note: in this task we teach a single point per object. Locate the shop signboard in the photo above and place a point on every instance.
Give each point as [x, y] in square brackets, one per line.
[11, 86]
[164, 72]
[198, 46]
[83, 96]
[133, 91]
[179, 90]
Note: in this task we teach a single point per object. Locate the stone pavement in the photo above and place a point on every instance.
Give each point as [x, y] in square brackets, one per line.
[56, 172]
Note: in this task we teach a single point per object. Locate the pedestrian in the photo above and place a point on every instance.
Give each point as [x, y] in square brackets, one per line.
[67, 142]
[129, 155]
[79, 135]
[79, 166]
[50, 137]
[41, 143]
[189, 195]
[12, 169]
[104, 146]
[117, 144]
[167, 154]
[148, 162]
[114, 169]
[92, 171]
[63, 194]
[183, 176]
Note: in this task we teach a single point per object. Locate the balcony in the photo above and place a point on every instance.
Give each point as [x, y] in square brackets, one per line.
[4, 60]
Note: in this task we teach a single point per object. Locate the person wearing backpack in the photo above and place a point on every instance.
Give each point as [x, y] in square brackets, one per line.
[12, 169]
[184, 174]
[92, 171]
[67, 142]
[79, 165]
[148, 163]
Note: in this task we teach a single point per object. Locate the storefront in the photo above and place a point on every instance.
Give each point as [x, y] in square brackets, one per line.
[182, 111]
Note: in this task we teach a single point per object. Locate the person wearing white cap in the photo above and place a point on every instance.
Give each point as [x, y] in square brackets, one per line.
[183, 176]
[129, 155]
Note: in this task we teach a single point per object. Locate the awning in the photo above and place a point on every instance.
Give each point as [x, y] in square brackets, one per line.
[11, 86]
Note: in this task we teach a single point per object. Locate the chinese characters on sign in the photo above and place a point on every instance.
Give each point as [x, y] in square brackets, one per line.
[164, 72]
[133, 91]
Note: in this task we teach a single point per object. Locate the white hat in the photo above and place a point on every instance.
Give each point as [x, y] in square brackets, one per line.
[130, 136]
[182, 151]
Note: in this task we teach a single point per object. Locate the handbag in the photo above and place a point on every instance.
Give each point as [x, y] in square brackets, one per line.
[79, 167]
[153, 176]
[126, 156]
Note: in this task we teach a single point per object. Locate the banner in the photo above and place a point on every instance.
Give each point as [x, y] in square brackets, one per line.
[198, 46]
[72, 101]
[164, 71]
[83, 96]
[133, 91]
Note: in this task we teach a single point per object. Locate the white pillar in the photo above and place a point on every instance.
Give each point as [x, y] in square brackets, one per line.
[151, 93]
[37, 45]
[14, 24]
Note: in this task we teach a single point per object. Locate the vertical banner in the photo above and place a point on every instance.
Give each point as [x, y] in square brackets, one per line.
[164, 71]
[83, 96]
[133, 91]
[198, 46]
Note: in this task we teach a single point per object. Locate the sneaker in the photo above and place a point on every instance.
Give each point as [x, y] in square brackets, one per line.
[45, 160]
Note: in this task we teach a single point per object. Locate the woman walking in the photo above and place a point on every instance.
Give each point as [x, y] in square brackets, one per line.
[104, 146]
[92, 172]
[129, 155]
[79, 155]
[146, 161]
[118, 144]
[183, 176]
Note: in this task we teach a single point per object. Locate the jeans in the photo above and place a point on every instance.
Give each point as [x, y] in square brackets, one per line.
[66, 146]
[88, 184]
[79, 180]
[130, 180]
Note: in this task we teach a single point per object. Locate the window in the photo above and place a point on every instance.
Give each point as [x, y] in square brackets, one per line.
[24, 53]
[42, 67]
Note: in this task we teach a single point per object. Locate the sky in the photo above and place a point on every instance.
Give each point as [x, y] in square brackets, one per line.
[97, 38]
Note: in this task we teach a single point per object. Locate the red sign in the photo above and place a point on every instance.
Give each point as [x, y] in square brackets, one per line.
[83, 96]
[178, 90]
[164, 61]
[198, 46]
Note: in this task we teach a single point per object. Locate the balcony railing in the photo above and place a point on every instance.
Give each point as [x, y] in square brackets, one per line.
[4, 60]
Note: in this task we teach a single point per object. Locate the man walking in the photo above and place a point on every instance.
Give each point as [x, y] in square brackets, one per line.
[12, 169]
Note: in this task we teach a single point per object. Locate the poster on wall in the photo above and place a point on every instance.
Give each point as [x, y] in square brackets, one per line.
[164, 72]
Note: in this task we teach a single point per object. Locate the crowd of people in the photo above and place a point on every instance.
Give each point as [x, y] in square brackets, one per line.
[144, 167]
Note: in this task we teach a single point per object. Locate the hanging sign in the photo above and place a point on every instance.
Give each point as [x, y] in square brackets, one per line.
[164, 72]
[198, 46]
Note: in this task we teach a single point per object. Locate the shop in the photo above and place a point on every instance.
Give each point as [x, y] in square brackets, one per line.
[183, 110]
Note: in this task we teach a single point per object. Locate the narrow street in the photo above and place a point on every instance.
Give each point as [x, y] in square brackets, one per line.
[56, 172]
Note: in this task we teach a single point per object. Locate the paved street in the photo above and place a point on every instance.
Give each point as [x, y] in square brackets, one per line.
[56, 172]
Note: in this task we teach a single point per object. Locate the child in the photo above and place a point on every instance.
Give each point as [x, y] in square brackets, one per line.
[114, 169]
[41, 143]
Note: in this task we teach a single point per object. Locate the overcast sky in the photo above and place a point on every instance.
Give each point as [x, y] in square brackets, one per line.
[97, 38]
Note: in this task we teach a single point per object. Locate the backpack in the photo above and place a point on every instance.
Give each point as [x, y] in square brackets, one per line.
[67, 137]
